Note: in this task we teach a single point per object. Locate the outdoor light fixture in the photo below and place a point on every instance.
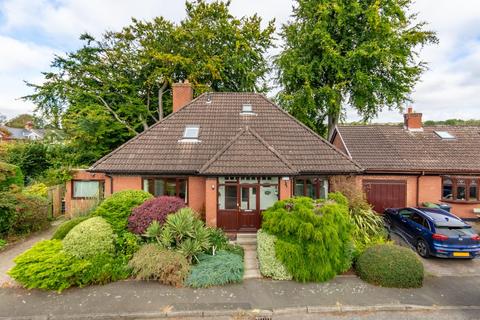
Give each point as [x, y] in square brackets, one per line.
[213, 187]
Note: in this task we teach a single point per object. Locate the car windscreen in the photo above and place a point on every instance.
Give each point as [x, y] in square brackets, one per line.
[453, 232]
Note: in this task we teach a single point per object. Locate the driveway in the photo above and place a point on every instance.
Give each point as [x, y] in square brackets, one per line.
[445, 267]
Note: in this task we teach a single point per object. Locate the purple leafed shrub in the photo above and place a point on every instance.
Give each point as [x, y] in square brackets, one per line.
[153, 209]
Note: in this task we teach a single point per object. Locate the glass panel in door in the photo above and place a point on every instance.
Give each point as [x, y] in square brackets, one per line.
[248, 198]
[231, 197]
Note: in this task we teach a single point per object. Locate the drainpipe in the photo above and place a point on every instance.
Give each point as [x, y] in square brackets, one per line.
[418, 187]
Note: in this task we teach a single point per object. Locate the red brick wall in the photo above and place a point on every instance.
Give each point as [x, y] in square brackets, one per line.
[127, 183]
[285, 189]
[74, 207]
[211, 201]
[196, 193]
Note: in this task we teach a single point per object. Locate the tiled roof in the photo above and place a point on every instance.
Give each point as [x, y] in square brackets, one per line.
[23, 134]
[393, 148]
[269, 141]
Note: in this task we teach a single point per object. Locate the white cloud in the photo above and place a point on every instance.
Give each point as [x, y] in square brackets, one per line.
[449, 89]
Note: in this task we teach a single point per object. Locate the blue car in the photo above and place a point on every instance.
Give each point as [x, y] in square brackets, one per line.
[434, 232]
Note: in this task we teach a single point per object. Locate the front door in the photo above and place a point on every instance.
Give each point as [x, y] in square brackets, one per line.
[248, 213]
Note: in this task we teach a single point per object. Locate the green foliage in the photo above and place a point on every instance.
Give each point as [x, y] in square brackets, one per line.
[339, 198]
[63, 229]
[127, 244]
[220, 269]
[90, 238]
[3, 243]
[47, 266]
[183, 232]
[7, 212]
[116, 86]
[430, 205]
[10, 175]
[368, 229]
[37, 189]
[270, 266]
[390, 266]
[152, 262]
[219, 241]
[355, 52]
[117, 208]
[452, 122]
[20, 121]
[31, 157]
[234, 248]
[313, 237]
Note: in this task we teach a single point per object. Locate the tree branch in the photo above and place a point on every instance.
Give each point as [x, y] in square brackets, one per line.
[117, 117]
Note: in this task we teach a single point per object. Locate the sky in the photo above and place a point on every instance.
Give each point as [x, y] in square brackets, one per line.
[33, 31]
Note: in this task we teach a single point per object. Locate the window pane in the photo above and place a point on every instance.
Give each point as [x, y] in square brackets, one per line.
[310, 192]
[221, 197]
[323, 189]
[268, 196]
[182, 189]
[460, 193]
[171, 188]
[269, 180]
[159, 187]
[145, 185]
[248, 180]
[473, 194]
[447, 192]
[299, 188]
[86, 189]
[249, 198]
[230, 197]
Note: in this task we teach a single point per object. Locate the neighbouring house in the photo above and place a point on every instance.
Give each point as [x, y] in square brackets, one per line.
[229, 155]
[26, 133]
[412, 164]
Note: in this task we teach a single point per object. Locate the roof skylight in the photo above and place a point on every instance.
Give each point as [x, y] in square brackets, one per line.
[191, 132]
[444, 135]
[247, 108]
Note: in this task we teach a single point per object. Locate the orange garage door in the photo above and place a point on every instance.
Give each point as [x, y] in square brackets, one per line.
[384, 194]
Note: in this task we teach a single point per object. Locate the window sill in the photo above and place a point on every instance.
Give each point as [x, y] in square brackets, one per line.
[460, 201]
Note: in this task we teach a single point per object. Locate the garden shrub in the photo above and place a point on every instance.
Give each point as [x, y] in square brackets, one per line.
[183, 232]
[20, 213]
[47, 266]
[220, 269]
[104, 268]
[90, 238]
[234, 248]
[10, 175]
[155, 209]
[152, 262]
[7, 212]
[127, 244]
[37, 189]
[389, 265]
[314, 239]
[63, 229]
[3, 243]
[269, 265]
[118, 207]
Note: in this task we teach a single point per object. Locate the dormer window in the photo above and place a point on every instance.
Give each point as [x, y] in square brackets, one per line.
[191, 132]
[445, 135]
[247, 109]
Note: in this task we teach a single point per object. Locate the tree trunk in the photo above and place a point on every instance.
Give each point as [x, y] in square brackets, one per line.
[161, 91]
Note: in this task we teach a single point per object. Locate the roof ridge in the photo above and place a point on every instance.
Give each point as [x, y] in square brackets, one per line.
[171, 115]
[315, 134]
[221, 151]
[271, 148]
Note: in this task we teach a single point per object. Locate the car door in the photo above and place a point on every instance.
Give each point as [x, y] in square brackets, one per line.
[403, 223]
[417, 226]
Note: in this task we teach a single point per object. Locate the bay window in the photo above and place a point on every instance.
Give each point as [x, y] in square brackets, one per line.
[176, 187]
[82, 189]
[460, 188]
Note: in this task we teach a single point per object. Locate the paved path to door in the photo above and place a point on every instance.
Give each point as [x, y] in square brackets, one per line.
[7, 255]
[249, 243]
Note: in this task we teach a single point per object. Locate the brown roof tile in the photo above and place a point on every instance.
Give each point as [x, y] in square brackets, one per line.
[268, 142]
[393, 148]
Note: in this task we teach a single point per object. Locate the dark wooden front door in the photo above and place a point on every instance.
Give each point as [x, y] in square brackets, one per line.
[383, 194]
[240, 211]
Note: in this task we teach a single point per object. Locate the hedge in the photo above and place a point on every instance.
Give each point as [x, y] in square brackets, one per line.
[10, 175]
[63, 229]
[390, 265]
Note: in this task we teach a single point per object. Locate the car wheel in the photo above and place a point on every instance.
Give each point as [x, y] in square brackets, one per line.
[388, 223]
[422, 248]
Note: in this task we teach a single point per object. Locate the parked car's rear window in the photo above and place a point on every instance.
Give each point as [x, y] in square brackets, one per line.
[455, 231]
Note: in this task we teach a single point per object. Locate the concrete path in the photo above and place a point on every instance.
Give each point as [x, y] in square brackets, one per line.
[249, 243]
[7, 255]
[139, 300]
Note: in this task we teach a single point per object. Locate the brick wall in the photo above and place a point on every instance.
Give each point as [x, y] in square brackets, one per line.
[211, 201]
[196, 194]
[127, 183]
[75, 207]
[285, 191]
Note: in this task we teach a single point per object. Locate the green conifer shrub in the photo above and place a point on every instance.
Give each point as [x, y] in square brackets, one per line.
[314, 239]
[63, 229]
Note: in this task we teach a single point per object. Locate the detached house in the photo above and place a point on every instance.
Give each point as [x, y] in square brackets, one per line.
[412, 164]
[26, 133]
[229, 155]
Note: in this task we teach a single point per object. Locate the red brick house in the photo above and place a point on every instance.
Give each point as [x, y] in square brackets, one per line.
[412, 164]
[229, 155]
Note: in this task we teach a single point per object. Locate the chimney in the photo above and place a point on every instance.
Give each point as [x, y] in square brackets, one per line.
[29, 125]
[412, 120]
[182, 94]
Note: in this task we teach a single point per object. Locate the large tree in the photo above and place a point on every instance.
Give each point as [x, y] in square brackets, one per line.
[358, 52]
[118, 85]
